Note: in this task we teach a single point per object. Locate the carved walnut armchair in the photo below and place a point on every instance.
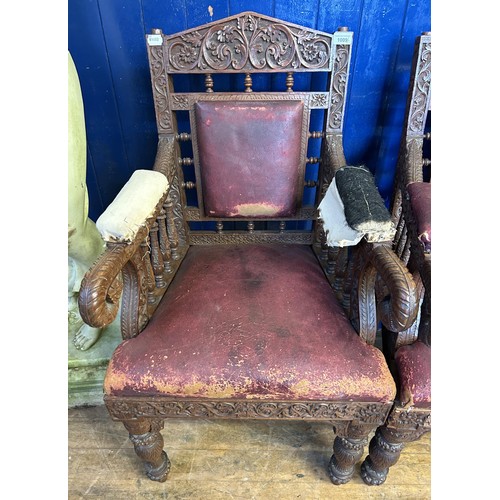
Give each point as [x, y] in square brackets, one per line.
[231, 297]
[410, 351]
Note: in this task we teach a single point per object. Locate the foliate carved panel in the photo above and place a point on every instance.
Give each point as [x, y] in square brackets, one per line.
[180, 101]
[410, 419]
[131, 408]
[230, 238]
[420, 99]
[248, 42]
[159, 81]
[338, 87]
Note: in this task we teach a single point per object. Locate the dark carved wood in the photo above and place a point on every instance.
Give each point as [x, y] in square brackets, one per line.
[312, 100]
[124, 408]
[338, 84]
[247, 43]
[234, 238]
[406, 424]
[347, 451]
[160, 84]
[402, 426]
[148, 444]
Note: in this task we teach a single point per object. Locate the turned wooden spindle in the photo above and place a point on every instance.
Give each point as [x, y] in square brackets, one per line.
[148, 445]
[209, 83]
[156, 256]
[144, 250]
[318, 134]
[173, 236]
[248, 83]
[183, 137]
[185, 161]
[313, 159]
[330, 263]
[340, 271]
[289, 82]
[164, 243]
[324, 246]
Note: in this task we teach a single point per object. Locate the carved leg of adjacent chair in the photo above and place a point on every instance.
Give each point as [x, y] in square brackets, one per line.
[347, 451]
[384, 451]
[148, 444]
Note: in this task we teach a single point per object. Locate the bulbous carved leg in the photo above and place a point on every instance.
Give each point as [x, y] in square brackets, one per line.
[384, 451]
[347, 451]
[148, 444]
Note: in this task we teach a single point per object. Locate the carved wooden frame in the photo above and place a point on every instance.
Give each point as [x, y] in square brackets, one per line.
[129, 408]
[405, 424]
[145, 267]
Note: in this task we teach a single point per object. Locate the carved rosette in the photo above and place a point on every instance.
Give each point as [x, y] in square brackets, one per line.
[422, 89]
[249, 43]
[160, 89]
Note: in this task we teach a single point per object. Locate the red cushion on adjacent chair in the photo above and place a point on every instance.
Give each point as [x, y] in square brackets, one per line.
[250, 157]
[250, 321]
[414, 367]
[420, 200]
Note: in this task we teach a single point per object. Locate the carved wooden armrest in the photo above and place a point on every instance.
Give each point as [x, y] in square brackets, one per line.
[398, 308]
[102, 286]
[140, 254]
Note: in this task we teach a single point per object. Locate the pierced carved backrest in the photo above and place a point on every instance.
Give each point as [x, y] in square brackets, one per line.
[247, 168]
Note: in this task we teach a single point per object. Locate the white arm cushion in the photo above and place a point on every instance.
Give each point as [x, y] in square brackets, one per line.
[331, 212]
[132, 206]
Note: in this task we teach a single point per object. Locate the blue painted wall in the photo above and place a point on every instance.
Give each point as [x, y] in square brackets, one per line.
[106, 40]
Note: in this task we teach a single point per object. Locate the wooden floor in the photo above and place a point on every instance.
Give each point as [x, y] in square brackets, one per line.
[228, 459]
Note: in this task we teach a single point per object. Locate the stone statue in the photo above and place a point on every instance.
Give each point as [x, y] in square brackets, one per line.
[84, 241]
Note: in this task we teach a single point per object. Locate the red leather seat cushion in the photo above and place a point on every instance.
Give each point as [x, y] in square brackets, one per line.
[420, 200]
[250, 157]
[250, 321]
[414, 367]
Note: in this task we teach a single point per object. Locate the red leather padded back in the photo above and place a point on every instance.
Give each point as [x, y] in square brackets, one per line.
[250, 157]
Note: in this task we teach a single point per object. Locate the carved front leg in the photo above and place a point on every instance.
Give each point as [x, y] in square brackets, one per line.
[148, 444]
[347, 451]
[384, 451]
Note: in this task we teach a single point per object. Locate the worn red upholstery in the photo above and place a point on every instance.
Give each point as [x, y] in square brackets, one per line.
[254, 321]
[420, 200]
[250, 154]
[414, 366]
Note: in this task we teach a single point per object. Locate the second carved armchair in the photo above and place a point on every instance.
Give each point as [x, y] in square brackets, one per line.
[409, 351]
[233, 303]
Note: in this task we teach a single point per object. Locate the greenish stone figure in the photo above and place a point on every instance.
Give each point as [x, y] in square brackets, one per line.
[84, 241]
